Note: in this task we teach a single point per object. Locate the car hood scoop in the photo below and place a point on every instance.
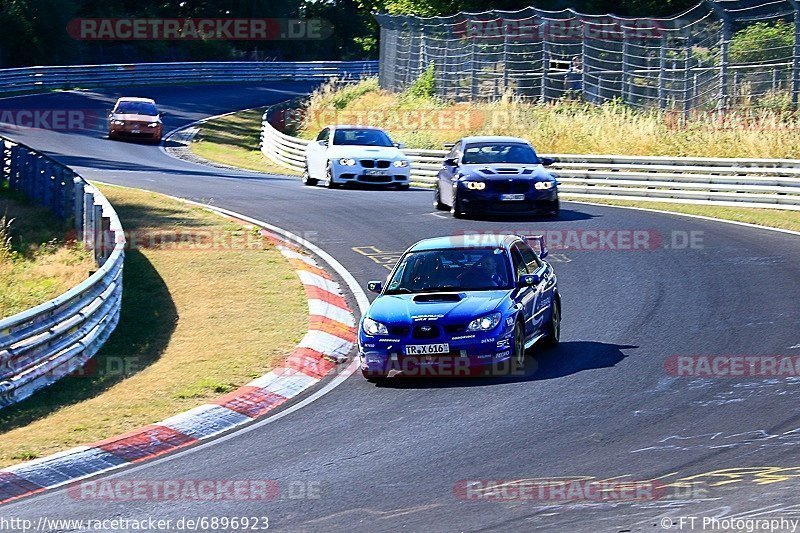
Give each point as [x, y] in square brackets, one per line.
[438, 297]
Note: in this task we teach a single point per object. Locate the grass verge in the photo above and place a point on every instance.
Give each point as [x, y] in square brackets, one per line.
[773, 218]
[38, 260]
[196, 323]
[233, 140]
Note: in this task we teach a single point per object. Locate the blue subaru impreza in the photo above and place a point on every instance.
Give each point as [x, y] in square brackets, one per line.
[454, 305]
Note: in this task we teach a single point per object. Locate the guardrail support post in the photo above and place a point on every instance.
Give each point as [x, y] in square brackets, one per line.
[687, 70]
[97, 233]
[77, 210]
[88, 220]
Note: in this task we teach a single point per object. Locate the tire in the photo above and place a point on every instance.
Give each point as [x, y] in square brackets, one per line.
[307, 179]
[329, 175]
[518, 355]
[554, 327]
[556, 209]
[456, 210]
[437, 200]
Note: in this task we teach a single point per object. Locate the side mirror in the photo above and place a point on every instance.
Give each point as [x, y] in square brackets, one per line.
[451, 161]
[399, 145]
[322, 143]
[162, 114]
[547, 161]
[375, 286]
[529, 280]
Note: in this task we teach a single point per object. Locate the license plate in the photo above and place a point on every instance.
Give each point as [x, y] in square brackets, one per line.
[375, 172]
[512, 197]
[427, 349]
[136, 131]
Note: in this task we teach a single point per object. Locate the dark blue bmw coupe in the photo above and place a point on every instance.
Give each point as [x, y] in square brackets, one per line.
[453, 305]
[495, 176]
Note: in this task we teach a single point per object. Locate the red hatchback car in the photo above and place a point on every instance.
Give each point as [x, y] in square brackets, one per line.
[135, 118]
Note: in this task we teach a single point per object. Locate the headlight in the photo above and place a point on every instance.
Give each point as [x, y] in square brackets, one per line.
[543, 185]
[401, 163]
[371, 327]
[348, 162]
[485, 323]
[152, 125]
[118, 122]
[476, 185]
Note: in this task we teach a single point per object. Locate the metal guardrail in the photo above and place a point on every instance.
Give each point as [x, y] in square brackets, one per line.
[766, 183]
[52, 340]
[17, 80]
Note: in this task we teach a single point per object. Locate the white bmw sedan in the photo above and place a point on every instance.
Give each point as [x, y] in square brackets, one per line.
[355, 154]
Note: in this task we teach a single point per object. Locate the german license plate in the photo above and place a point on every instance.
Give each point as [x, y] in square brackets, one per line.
[427, 349]
[372, 172]
[512, 197]
[136, 131]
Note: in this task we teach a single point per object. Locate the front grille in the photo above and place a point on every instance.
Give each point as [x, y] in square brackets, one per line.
[376, 179]
[509, 187]
[398, 331]
[368, 163]
[382, 163]
[420, 331]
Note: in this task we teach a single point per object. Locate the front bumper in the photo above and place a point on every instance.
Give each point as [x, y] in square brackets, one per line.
[371, 176]
[135, 131]
[533, 202]
[469, 354]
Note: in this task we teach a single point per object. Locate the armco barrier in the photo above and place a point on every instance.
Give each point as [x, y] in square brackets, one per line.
[767, 183]
[31, 79]
[43, 344]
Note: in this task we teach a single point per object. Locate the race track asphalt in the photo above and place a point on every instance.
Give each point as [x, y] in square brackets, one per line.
[603, 405]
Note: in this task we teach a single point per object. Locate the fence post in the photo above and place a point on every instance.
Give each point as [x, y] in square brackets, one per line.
[796, 55]
[662, 74]
[687, 68]
[473, 94]
[505, 57]
[723, 66]
[545, 64]
[625, 71]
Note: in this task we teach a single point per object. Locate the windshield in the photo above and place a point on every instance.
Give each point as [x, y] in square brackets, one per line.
[451, 270]
[136, 108]
[365, 137]
[487, 153]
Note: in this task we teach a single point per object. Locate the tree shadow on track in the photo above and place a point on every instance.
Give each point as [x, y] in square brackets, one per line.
[567, 359]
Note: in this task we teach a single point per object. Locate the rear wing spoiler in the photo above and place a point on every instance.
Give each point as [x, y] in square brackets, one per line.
[541, 245]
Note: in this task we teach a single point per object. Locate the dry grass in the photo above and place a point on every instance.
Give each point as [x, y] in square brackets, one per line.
[560, 127]
[195, 324]
[38, 260]
[233, 140]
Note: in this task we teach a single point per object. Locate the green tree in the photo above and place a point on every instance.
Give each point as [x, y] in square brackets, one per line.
[762, 42]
